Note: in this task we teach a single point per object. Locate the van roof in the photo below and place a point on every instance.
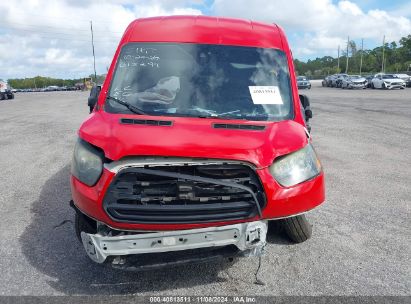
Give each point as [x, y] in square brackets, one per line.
[206, 30]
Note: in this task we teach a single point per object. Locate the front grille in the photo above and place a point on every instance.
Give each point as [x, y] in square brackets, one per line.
[184, 194]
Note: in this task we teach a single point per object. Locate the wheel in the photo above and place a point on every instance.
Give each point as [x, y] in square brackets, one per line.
[402, 88]
[6, 97]
[383, 86]
[83, 223]
[297, 228]
[372, 85]
[1, 96]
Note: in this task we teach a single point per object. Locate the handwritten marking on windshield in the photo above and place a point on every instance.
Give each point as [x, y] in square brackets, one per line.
[141, 50]
[140, 60]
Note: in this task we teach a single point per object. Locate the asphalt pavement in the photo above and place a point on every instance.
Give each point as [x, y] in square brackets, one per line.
[361, 241]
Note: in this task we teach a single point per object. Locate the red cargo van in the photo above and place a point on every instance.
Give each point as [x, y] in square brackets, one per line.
[197, 139]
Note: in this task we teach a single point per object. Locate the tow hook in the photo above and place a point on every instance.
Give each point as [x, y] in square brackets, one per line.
[256, 234]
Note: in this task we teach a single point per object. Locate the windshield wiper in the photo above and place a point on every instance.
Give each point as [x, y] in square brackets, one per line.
[203, 113]
[129, 106]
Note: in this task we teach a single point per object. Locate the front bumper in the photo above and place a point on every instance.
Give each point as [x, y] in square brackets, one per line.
[304, 86]
[357, 85]
[281, 202]
[390, 86]
[249, 238]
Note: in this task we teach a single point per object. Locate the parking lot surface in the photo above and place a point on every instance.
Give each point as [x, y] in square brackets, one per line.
[361, 235]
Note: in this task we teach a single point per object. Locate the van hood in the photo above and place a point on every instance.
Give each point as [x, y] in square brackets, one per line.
[192, 138]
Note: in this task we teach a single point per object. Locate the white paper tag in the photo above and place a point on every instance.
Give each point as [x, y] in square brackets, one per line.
[169, 241]
[265, 95]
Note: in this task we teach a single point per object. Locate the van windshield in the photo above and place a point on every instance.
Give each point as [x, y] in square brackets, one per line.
[200, 80]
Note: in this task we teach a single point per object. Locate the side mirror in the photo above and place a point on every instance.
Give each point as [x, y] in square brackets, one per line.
[305, 102]
[93, 98]
[307, 112]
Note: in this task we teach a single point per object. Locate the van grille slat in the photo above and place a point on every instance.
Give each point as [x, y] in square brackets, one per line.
[135, 196]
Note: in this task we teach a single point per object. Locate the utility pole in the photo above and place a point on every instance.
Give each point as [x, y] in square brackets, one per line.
[362, 50]
[346, 63]
[338, 61]
[94, 56]
[383, 47]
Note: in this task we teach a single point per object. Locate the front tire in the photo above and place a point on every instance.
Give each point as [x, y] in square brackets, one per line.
[84, 223]
[297, 228]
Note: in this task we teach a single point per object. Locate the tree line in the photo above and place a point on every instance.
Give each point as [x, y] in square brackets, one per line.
[397, 58]
[42, 82]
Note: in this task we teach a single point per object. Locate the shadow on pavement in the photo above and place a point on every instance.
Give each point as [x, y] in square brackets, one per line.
[50, 245]
[276, 234]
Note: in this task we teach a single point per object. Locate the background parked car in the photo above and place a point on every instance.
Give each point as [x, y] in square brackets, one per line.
[303, 82]
[335, 79]
[369, 80]
[354, 82]
[406, 78]
[339, 80]
[326, 82]
[387, 81]
[332, 80]
[5, 91]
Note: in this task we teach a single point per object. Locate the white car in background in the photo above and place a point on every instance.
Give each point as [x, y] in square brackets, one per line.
[406, 78]
[354, 82]
[387, 81]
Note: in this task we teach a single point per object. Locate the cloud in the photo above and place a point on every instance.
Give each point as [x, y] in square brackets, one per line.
[320, 26]
[52, 38]
[402, 10]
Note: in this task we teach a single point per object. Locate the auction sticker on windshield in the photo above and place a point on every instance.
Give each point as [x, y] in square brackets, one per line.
[265, 95]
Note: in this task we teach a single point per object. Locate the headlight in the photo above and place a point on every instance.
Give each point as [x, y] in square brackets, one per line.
[87, 163]
[296, 167]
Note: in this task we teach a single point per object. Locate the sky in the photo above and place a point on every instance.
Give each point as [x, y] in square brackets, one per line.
[52, 37]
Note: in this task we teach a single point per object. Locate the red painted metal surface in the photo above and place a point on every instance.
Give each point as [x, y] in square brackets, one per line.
[192, 137]
[195, 137]
[281, 201]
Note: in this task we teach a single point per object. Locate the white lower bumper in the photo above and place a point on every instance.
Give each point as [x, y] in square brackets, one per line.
[245, 236]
